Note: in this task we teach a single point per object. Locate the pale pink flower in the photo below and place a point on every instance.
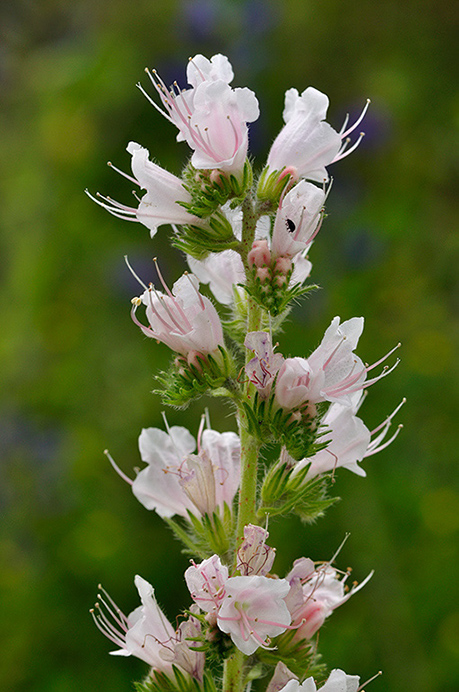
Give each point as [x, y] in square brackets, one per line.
[340, 375]
[331, 373]
[306, 143]
[315, 595]
[297, 220]
[144, 633]
[223, 271]
[262, 369]
[211, 116]
[181, 654]
[176, 481]
[253, 610]
[206, 583]
[337, 681]
[161, 203]
[182, 319]
[281, 676]
[349, 441]
[293, 383]
[254, 556]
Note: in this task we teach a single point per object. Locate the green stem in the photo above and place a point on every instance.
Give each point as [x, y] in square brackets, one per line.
[250, 446]
[233, 672]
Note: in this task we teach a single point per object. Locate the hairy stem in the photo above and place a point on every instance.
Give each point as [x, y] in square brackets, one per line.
[233, 672]
[247, 509]
[249, 444]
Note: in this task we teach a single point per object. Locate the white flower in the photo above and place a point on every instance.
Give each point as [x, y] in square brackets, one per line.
[297, 220]
[315, 595]
[223, 271]
[253, 610]
[183, 319]
[262, 369]
[337, 681]
[211, 116]
[206, 583]
[176, 481]
[254, 556]
[144, 633]
[349, 441]
[331, 373]
[161, 203]
[306, 143]
[147, 634]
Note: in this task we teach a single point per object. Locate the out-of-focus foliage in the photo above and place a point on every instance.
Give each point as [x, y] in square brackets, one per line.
[76, 374]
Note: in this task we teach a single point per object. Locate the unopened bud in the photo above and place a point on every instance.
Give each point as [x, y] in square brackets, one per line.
[194, 358]
[283, 265]
[290, 171]
[215, 177]
[263, 273]
[281, 281]
[259, 255]
[295, 416]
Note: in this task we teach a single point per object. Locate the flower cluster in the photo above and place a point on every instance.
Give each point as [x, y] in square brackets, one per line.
[246, 240]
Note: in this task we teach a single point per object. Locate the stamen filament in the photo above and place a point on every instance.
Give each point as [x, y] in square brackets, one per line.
[117, 468]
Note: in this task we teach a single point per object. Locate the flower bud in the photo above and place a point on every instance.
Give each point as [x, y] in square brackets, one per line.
[193, 358]
[283, 265]
[259, 255]
[263, 273]
[254, 556]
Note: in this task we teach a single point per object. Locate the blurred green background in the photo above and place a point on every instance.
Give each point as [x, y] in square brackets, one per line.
[76, 374]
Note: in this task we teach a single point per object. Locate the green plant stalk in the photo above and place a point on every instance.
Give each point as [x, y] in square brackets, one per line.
[233, 678]
[233, 672]
[247, 509]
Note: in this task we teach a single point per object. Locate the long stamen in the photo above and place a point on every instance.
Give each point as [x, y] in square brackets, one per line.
[389, 418]
[202, 142]
[343, 338]
[374, 450]
[345, 151]
[357, 122]
[110, 600]
[114, 611]
[146, 330]
[381, 360]
[134, 274]
[360, 689]
[160, 276]
[152, 102]
[163, 302]
[102, 627]
[201, 428]
[125, 175]
[117, 468]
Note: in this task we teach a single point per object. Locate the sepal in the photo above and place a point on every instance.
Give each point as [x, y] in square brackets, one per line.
[189, 379]
[294, 429]
[215, 236]
[207, 535]
[285, 491]
[272, 291]
[210, 189]
[271, 185]
[159, 681]
[300, 657]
